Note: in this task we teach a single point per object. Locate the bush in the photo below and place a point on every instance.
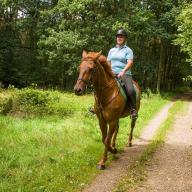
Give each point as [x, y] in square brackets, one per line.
[147, 94]
[5, 105]
[36, 98]
[34, 102]
[30, 102]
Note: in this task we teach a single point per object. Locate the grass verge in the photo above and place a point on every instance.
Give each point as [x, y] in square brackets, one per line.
[59, 153]
[137, 172]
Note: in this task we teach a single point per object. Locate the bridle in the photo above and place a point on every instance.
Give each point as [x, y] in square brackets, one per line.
[88, 82]
[94, 70]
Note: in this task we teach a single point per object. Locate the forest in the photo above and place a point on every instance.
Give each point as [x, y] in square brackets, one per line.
[41, 41]
[49, 140]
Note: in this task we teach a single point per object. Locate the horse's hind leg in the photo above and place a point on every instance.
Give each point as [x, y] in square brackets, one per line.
[114, 138]
[131, 133]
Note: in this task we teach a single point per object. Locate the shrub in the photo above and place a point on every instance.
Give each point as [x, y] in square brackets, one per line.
[30, 102]
[34, 102]
[6, 104]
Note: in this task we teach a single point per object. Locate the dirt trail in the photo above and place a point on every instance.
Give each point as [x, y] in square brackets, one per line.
[171, 166]
[106, 181]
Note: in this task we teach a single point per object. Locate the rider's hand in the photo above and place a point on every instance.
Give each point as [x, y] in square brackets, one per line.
[121, 74]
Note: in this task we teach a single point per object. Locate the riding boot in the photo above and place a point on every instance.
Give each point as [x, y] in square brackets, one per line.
[134, 114]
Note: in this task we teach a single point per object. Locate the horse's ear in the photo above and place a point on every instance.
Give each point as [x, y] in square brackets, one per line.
[102, 59]
[98, 55]
[84, 54]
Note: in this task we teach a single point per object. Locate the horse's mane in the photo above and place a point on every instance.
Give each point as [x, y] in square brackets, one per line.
[103, 61]
[106, 65]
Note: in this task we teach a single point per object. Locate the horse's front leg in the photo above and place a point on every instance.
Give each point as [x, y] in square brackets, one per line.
[103, 128]
[107, 142]
[111, 132]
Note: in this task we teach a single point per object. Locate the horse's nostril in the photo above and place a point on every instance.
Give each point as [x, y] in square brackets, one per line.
[78, 91]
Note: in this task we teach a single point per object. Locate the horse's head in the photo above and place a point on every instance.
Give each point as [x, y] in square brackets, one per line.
[86, 70]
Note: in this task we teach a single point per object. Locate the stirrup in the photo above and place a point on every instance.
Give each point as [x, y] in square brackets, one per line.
[91, 110]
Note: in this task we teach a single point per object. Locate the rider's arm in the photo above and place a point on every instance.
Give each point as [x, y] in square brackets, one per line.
[127, 67]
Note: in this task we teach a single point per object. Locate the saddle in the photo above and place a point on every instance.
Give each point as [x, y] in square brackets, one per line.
[123, 90]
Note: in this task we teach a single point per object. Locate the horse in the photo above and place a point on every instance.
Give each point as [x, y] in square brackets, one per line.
[110, 105]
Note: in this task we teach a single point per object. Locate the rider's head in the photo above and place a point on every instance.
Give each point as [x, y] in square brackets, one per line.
[121, 37]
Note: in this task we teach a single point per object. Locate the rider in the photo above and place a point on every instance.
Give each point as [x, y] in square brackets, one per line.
[121, 59]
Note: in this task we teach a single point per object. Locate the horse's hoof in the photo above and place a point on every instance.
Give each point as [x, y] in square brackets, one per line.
[114, 151]
[100, 167]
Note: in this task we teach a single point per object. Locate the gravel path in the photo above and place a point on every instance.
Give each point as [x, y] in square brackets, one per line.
[171, 166]
[108, 178]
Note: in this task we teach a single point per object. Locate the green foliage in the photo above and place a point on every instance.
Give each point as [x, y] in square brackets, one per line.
[6, 104]
[184, 39]
[188, 80]
[18, 42]
[60, 48]
[30, 102]
[42, 41]
[35, 102]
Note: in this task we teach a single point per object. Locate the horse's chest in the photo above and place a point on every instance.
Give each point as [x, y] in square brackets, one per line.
[110, 115]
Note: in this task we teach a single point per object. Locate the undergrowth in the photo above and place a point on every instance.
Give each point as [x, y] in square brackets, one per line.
[57, 146]
[30, 102]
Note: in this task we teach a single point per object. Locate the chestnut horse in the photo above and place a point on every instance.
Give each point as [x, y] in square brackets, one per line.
[110, 104]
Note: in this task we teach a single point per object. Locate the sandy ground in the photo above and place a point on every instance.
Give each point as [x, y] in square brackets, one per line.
[170, 169]
[108, 178]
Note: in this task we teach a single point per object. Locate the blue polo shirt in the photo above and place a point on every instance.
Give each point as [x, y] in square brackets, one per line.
[118, 57]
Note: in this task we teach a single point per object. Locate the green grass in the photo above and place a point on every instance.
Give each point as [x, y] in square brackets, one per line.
[54, 153]
[137, 172]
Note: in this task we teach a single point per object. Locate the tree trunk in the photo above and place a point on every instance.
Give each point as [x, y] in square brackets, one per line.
[160, 67]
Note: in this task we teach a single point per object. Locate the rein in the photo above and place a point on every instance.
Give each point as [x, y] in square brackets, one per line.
[95, 70]
[102, 88]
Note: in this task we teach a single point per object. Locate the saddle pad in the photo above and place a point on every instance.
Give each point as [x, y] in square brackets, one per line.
[123, 91]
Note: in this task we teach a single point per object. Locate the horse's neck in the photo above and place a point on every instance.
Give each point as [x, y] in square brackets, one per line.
[102, 78]
[104, 84]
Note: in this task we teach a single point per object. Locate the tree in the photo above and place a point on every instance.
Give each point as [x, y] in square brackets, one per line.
[42, 40]
[184, 39]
